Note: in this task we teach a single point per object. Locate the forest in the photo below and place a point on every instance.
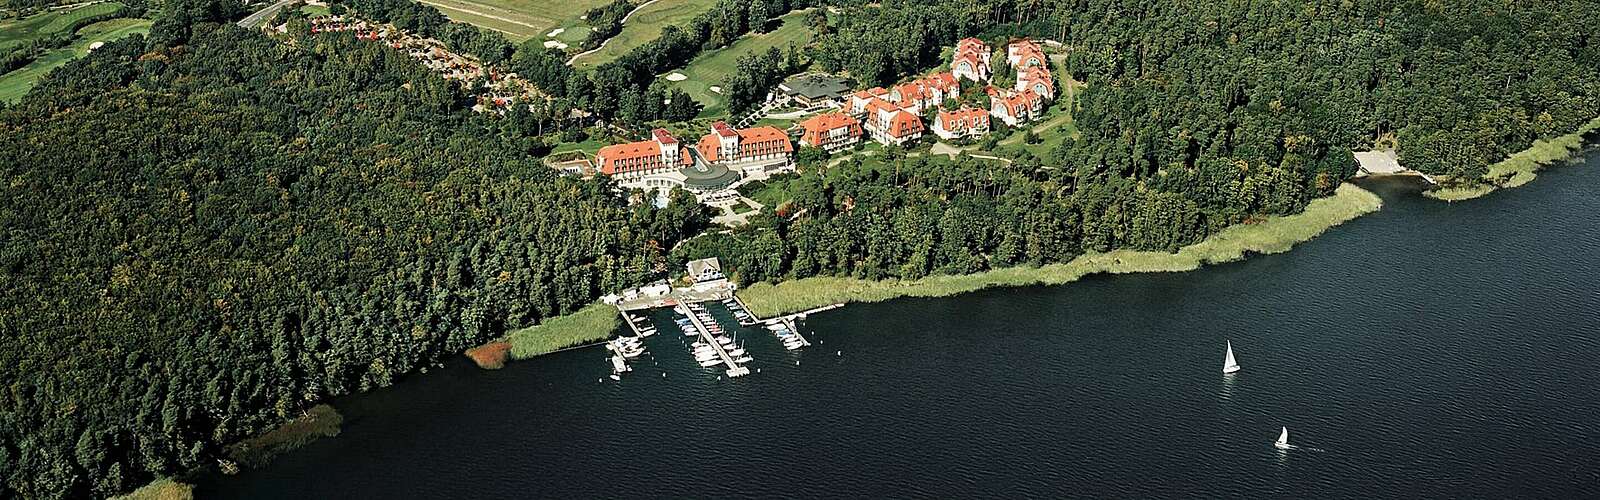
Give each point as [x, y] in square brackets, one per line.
[203, 239]
[208, 231]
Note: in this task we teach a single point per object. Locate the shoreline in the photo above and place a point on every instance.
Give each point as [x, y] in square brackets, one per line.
[1521, 167]
[1275, 235]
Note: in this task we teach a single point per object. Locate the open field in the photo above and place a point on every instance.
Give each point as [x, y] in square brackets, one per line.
[51, 23]
[1275, 235]
[712, 67]
[1520, 168]
[161, 489]
[645, 25]
[15, 84]
[521, 19]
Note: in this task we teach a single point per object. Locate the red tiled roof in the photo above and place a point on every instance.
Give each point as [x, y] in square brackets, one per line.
[1023, 49]
[661, 135]
[817, 127]
[630, 150]
[962, 118]
[752, 141]
[903, 124]
[827, 121]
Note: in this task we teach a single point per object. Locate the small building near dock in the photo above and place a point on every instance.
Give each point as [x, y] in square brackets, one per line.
[706, 271]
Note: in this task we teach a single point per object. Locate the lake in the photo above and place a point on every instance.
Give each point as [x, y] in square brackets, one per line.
[1426, 350]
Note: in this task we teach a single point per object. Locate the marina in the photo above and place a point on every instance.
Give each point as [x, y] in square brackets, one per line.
[714, 344]
[714, 341]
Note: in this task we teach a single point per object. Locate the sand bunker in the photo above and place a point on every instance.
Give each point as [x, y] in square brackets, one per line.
[96, 45]
[677, 77]
[555, 44]
[716, 89]
[553, 34]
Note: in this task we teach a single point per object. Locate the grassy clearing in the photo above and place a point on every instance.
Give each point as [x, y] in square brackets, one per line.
[1520, 168]
[15, 84]
[321, 421]
[645, 25]
[52, 23]
[316, 10]
[161, 489]
[1275, 235]
[589, 146]
[712, 67]
[521, 19]
[594, 322]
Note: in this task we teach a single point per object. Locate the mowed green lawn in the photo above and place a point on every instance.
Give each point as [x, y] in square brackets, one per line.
[645, 25]
[50, 23]
[712, 67]
[15, 84]
[520, 20]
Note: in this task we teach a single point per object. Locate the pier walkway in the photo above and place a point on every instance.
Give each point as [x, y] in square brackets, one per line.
[788, 320]
[734, 370]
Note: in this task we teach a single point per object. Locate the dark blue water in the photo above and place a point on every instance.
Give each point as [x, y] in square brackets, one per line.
[1427, 350]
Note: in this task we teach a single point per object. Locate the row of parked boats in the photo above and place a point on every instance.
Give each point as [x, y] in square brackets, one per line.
[791, 340]
[623, 349]
[739, 312]
[705, 353]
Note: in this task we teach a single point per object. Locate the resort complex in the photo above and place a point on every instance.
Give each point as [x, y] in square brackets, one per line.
[893, 116]
[718, 160]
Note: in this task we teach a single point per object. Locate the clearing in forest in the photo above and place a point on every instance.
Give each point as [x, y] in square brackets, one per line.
[643, 26]
[51, 23]
[711, 68]
[15, 84]
[520, 20]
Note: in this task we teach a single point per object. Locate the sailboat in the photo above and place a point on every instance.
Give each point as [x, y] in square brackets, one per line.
[1283, 440]
[1228, 363]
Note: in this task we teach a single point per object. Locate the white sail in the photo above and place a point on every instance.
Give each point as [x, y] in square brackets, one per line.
[1228, 363]
[1283, 439]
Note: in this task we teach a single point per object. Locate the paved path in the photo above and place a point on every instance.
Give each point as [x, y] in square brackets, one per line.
[260, 16]
[731, 218]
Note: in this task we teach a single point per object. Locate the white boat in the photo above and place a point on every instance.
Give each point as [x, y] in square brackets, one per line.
[777, 326]
[739, 351]
[647, 332]
[711, 362]
[1228, 363]
[615, 377]
[1283, 440]
[724, 340]
[745, 359]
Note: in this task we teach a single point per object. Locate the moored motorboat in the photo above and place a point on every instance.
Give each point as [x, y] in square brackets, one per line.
[711, 362]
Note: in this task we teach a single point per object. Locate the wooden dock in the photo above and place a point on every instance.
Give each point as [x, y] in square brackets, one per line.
[734, 370]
